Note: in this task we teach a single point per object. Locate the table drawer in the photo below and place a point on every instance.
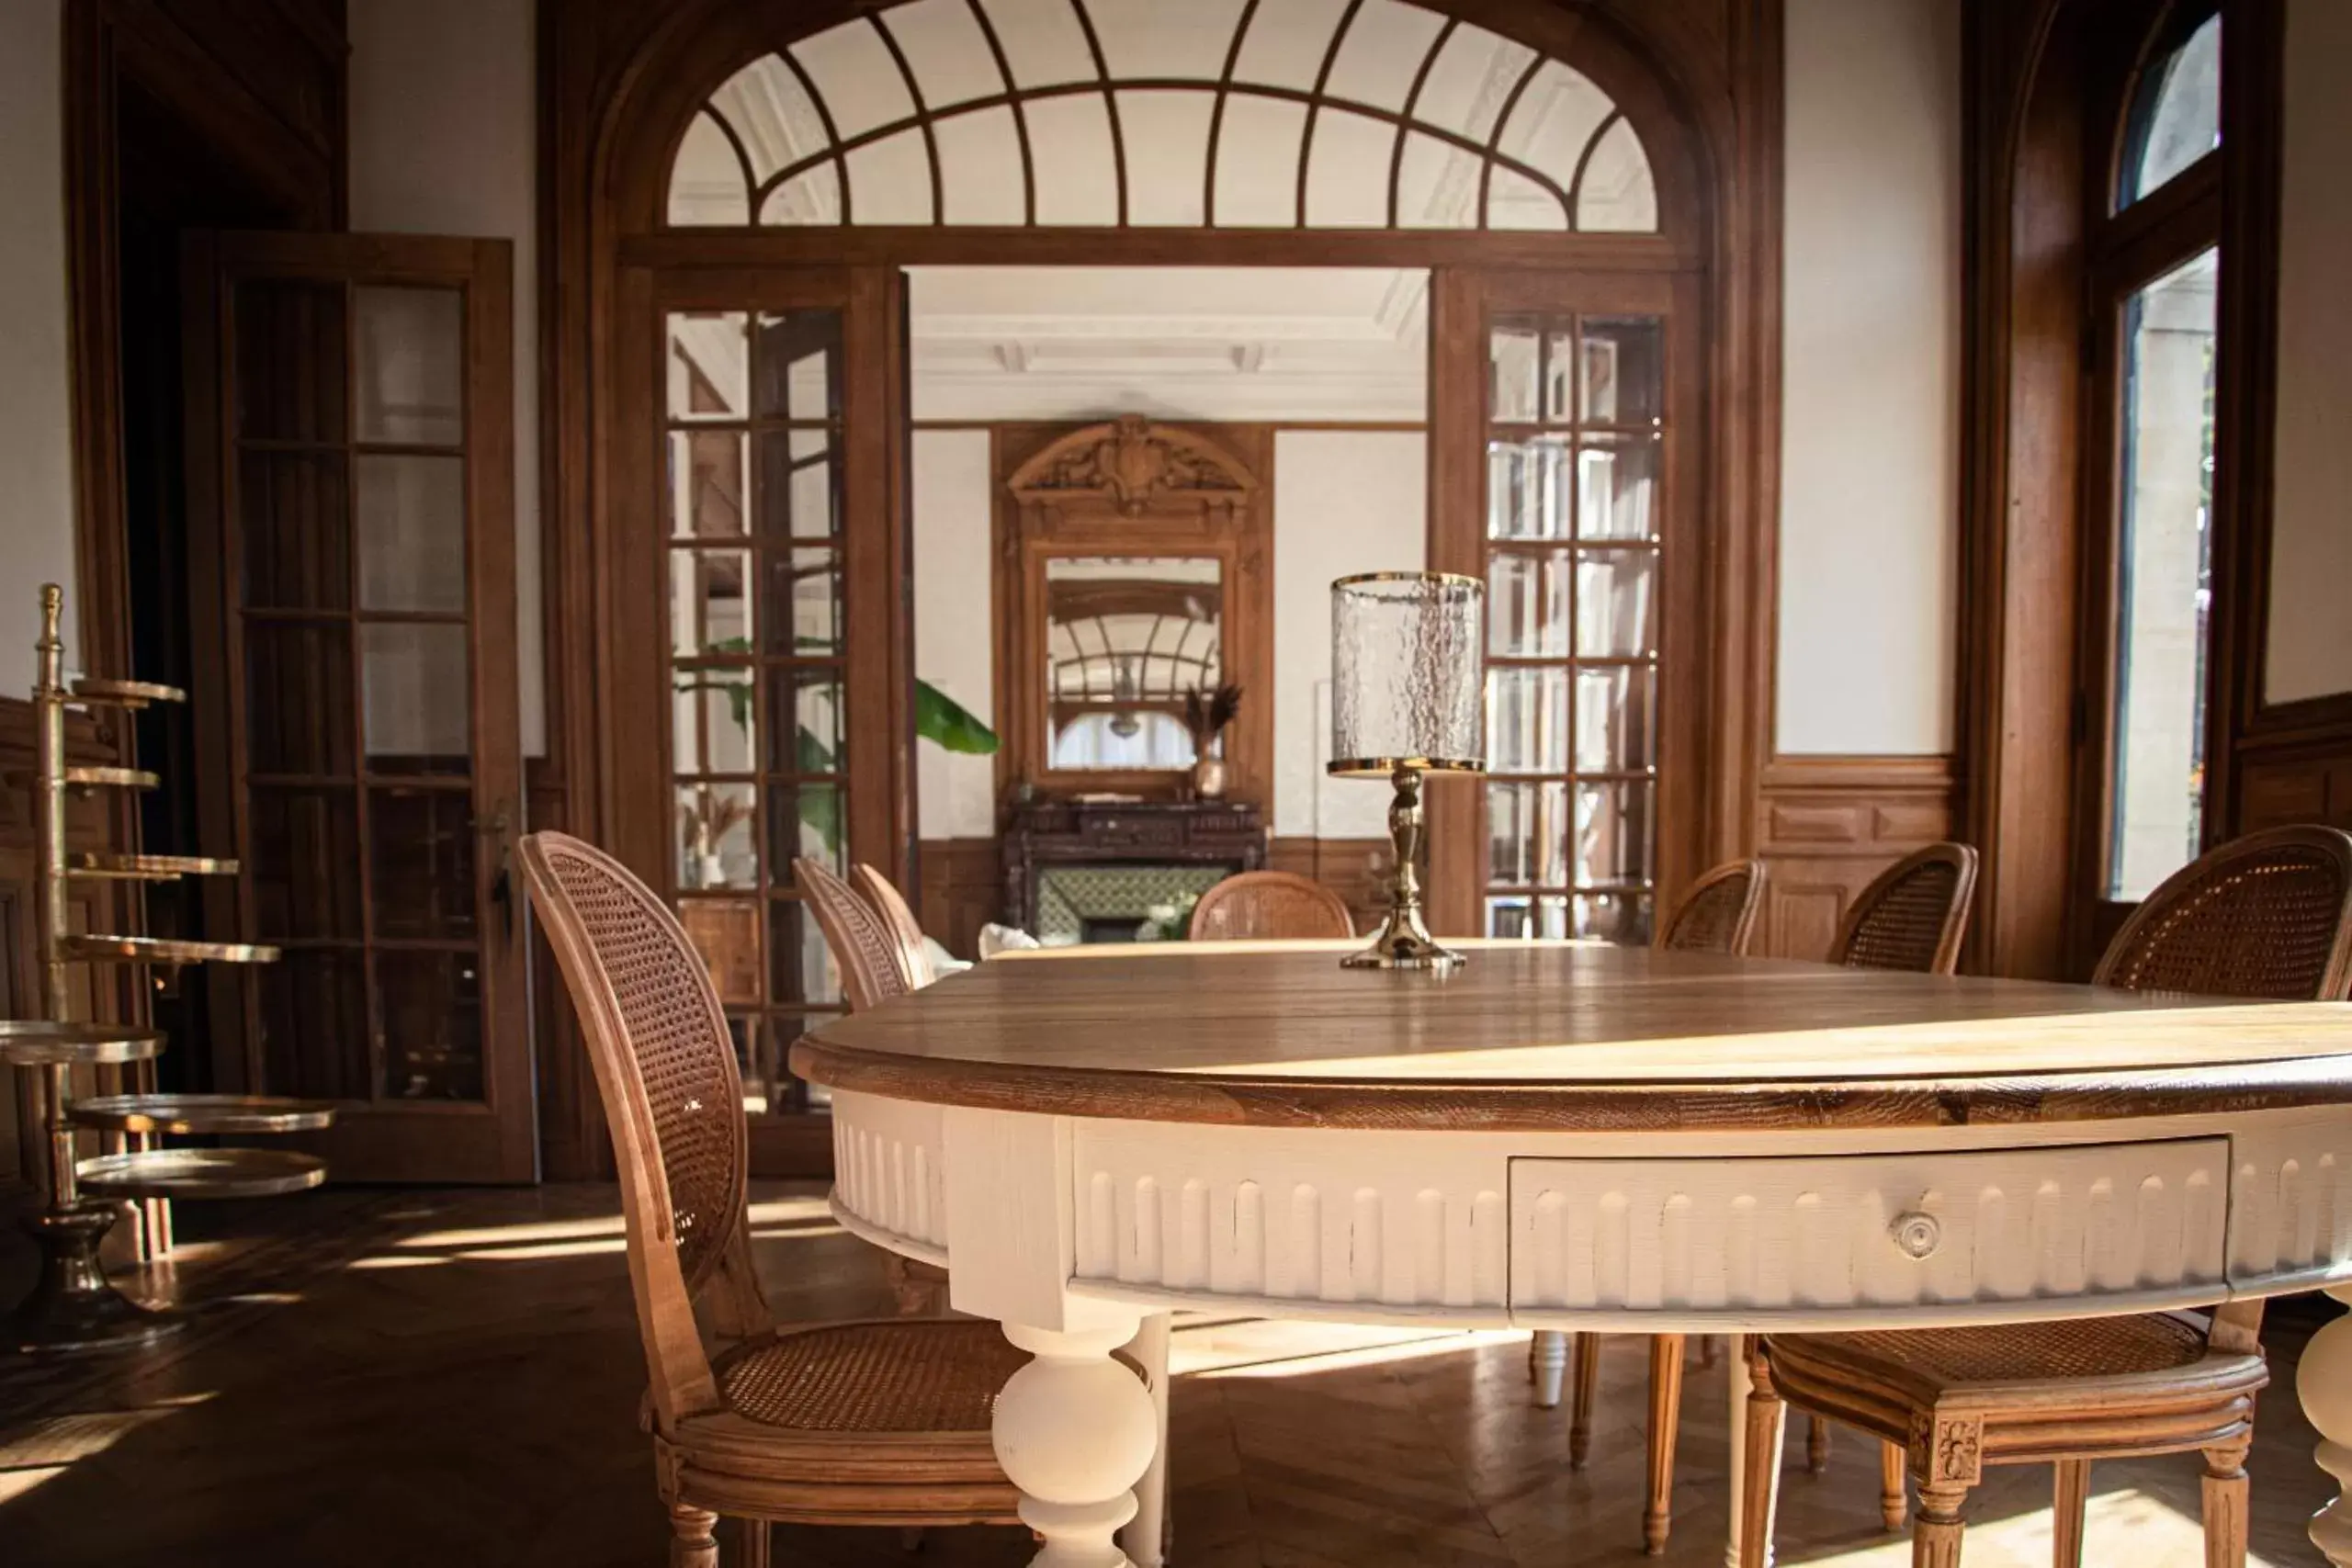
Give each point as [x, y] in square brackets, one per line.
[1868, 1231]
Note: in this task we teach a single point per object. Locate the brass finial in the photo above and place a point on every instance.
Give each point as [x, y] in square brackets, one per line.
[52, 612]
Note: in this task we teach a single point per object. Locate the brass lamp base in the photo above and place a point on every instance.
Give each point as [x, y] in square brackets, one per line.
[72, 1306]
[1404, 943]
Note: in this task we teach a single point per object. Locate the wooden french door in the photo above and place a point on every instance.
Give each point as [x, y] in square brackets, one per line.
[759, 606]
[350, 482]
[1564, 442]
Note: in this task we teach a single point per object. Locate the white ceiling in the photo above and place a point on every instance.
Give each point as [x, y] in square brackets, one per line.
[1199, 343]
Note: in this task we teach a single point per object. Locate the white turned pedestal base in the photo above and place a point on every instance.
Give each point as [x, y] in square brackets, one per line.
[2324, 1386]
[1075, 1430]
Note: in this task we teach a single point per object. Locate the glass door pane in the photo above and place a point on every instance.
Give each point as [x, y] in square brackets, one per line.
[369, 754]
[760, 767]
[1575, 437]
[2163, 562]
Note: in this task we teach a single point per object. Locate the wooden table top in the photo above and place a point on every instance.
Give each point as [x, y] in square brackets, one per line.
[1568, 1036]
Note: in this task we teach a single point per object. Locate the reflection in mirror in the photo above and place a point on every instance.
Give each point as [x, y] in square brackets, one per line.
[1125, 638]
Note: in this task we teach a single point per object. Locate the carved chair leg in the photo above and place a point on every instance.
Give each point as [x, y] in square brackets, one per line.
[2070, 1494]
[1666, 1413]
[1934, 1538]
[1893, 1506]
[2226, 1506]
[1759, 1456]
[1547, 1365]
[1816, 1444]
[1587, 1380]
[754, 1542]
[692, 1544]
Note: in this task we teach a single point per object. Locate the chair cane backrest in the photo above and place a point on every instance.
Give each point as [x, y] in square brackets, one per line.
[665, 1069]
[1269, 906]
[909, 951]
[1912, 916]
[863, 945]
[2266, 916]
[1719, 913]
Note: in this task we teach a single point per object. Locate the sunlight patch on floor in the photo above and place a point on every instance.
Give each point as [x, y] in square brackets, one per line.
[2159, 1534]
[1264, 1348]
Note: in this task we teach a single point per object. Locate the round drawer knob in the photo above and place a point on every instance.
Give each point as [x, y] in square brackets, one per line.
[1917, 1235]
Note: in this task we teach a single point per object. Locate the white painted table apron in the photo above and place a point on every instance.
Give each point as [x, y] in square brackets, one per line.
[2222, 1174]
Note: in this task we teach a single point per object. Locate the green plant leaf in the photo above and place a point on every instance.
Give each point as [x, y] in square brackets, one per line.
[941, 717]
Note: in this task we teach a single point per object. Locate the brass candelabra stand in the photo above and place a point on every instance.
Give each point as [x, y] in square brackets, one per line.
[72, 1306]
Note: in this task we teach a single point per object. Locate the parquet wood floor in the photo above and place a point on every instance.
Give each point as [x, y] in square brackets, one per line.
[429, 1377]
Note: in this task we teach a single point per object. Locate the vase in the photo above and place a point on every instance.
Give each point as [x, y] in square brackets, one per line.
[1208, 778]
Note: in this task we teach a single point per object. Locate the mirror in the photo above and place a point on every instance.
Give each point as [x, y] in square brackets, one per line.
[1126, 637]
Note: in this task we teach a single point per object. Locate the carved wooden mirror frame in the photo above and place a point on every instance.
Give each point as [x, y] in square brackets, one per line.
[1132, 487]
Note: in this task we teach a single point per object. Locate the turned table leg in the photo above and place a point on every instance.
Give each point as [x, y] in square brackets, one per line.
[2323, 1385]
[1075, 1430]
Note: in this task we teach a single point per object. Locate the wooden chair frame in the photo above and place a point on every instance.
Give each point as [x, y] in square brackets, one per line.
[863, 945]
[1326, 911]
[1556, 1356]
[711, 1459]
[909, 951]
[1869, 903]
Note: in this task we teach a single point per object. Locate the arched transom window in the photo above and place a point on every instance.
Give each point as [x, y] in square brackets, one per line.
[1258, 114]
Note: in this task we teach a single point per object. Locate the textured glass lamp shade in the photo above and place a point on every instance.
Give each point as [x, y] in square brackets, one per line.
[1406, 673]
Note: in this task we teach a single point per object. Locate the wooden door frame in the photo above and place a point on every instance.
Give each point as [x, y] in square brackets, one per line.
[1704, 84]
[495, 1139]
[2042, 109]
[1697, 727]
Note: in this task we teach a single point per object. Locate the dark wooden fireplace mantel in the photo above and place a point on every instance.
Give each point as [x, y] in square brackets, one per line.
[1159, 832]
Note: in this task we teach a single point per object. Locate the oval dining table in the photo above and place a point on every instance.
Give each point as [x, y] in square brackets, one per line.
[1567, 1136]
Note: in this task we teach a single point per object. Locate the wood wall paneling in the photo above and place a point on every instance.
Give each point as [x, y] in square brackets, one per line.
[1829, 825]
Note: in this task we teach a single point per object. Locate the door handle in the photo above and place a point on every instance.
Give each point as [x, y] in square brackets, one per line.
[497, 826]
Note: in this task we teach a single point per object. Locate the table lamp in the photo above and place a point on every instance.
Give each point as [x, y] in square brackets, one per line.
[1406, 676]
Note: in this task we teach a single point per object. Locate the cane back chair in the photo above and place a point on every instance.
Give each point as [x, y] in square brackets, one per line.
[863, 946]
[1913, 916]
[2268, 916]
[909, 950]
[1270, 905]
[1718, 915]
[876, 1423]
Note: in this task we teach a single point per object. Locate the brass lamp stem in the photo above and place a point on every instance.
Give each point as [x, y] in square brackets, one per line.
[1404, 943]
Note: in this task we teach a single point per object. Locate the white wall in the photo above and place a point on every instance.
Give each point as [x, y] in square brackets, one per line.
[2310, 651]
[444, 140]
[1345, 500]
[36, 407]
[954, 795]
[1869, 391]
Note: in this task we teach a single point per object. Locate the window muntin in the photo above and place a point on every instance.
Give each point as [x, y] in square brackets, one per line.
[1272, 114]
[759, 770]
[1576, 433]
[2174, 117]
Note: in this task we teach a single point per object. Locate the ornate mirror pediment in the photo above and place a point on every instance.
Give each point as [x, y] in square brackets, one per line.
[1132, 466]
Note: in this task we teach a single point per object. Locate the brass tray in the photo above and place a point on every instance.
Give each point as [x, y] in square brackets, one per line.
[202, 1113]
[124, 778]
[146, 868]
[200, 1173]
[164, 949]
[37, 1043]
[124, 694]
